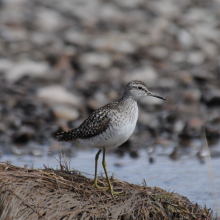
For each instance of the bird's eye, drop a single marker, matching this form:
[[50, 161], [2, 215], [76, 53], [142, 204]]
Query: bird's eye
[[140, 88]]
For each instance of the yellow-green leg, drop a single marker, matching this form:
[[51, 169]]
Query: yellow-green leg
[[106, 173], [96, 165]]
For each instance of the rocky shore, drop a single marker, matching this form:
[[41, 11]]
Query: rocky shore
[[61, 60]]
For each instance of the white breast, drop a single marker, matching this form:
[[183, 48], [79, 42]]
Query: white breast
[[119, 131]]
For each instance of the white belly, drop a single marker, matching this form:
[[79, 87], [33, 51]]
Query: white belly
[[114, 136], [124, 133]]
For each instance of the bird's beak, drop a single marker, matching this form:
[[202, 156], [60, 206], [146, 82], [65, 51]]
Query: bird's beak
[[156, 96]]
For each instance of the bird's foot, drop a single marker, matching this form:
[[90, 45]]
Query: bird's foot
[[99, 187], [117, 193]]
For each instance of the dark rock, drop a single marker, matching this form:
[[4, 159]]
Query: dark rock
[[134, 154]]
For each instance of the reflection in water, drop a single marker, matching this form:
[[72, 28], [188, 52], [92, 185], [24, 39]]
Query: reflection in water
[[185, 176]]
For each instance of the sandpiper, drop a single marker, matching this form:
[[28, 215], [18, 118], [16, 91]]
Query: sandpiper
[[111, 125]]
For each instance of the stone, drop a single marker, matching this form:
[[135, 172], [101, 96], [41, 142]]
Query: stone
[[13, 35], [96, 59], [195, 124], [209, 49], [185, 77], [98, 100], [91, 75], [195, 57], [175, 155], [19, 150], [35, 149], [65, 112], [167, 83], [146, 74], [27, 68], [110, 12], [124, 46], [145, 118], [5, 65], [134, 154], [158, 52], [185, 38], [165, 9], [178, 56], [75, 37], [48, 20], [56, 94], [39, 38], [178, 126], [212, 97], [192, 96], [202, 75], [195, 15], [130, 3]]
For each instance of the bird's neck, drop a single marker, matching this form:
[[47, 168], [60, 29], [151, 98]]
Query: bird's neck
[[127, 98]]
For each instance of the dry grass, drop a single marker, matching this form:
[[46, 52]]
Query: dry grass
[[60, 194]]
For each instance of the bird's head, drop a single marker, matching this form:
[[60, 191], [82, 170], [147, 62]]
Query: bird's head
[[138, 89]]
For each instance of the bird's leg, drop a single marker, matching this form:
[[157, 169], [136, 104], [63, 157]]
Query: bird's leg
[[96, 165], [106, 173]]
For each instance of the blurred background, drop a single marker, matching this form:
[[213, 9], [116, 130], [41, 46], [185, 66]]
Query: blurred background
[[61, 60]]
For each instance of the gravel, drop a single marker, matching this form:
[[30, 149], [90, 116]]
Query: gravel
[[60, 60]]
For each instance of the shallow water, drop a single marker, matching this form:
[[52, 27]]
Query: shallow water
[[187, 177]]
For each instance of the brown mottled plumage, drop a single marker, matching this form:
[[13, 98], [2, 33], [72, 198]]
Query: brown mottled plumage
[[95, 124], [111, 125]]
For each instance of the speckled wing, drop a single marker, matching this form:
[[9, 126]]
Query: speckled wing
[[95, 124]]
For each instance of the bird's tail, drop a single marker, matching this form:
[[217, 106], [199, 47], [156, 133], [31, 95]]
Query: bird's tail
[[64, 136]]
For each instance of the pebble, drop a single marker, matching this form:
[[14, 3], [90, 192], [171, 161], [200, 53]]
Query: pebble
[[195, 57], [13, 35], [209, 49], [19, 151], [195, 124], [145, 117], [185, 77], [175, 155], [167, 83], [192, 96], [96, 59], [65, 112], [130, 3], [185, 38], [178, 56], [35, 149], [26, 68], [48, 20], [178, 126], [158, 52], [98, 100], [75, 37], [165, 9], [146, 74], [212, 97], [5, 65], [56, 94], [125, 47]]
